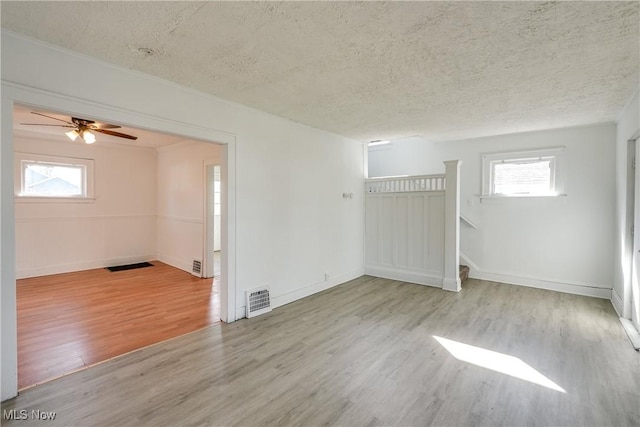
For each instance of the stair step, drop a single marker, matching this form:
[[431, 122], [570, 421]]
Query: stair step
[[464, 273]]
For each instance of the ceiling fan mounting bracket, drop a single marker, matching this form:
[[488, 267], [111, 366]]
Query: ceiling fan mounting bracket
[[82, 122]]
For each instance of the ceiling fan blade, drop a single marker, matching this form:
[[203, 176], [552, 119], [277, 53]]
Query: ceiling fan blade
[[42, 124], [113, 133], [103, 126], [54, 118]]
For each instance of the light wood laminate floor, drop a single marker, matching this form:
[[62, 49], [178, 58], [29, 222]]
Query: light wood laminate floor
[[365, 353], [70, 321]]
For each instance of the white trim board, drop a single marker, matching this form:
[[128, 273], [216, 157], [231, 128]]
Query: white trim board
[[617, 303], [176, 263], [632, 332], [84, 218], [306, 291], [405, 276], [548, 284], [81, 266]]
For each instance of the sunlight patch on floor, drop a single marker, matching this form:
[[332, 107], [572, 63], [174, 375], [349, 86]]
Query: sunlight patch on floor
[[498, 362]]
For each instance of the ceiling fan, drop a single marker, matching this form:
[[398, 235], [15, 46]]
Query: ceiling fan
[[84, 129]]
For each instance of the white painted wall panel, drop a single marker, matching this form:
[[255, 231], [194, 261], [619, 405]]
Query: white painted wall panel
[[179, 241], [401, 222], [405, 236], [371, 231], [386, 226], [435, 234], [58, 245], [418, 232]]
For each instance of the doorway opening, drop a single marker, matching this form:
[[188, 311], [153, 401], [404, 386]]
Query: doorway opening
[[145, 205], [630, 316], [213, 220]]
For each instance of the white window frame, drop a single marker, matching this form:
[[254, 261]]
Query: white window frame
[[554, 154], [22, 159]]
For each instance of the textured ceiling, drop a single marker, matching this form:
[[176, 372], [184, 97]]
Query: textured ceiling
[[371, 70]]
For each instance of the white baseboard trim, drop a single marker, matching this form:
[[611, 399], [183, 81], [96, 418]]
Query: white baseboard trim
[[451, 285], [617, 303], [81, 266], [314, 288], [548, 284], [241, 312], [632, 332], [404, 276], [175, 262], [303, 292]]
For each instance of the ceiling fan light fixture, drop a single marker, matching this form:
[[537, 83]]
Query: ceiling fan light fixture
[[88, 137], [83, 128], [73, 134]]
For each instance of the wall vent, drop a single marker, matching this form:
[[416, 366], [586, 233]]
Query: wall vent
[[258, 301], [196, 268]]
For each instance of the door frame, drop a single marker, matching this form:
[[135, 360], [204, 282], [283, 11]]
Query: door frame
[[209, 231], [13, 93], [631, 297]]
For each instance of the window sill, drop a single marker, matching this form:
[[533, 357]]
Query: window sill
[[524, 196], [31, 199]]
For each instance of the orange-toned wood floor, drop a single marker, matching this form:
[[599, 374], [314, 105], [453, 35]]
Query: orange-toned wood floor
[[70, 321]]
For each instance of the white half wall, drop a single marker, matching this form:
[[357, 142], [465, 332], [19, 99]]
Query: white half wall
[[117, 227], [563, 243], [289, 225], [181, 191], [405, 236]]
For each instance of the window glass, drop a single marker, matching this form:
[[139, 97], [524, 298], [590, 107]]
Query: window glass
[[525, 173], [46, 179], [532, 177], [38, 175]]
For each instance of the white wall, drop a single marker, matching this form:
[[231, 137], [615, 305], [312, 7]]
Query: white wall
[[181, 201], [563, 243], [628, 125], [117, 227], [288, 223], [293, 222]]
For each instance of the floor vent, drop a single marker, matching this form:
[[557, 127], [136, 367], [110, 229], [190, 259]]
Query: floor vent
[[196, 269], [258, 301]]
